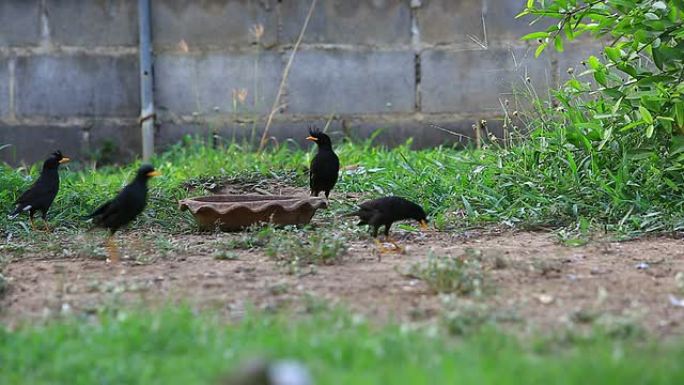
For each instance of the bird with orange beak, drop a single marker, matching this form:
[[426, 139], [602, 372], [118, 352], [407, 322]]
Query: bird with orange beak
[[121, 210], [387, 210], [325, 166], [42, 193]]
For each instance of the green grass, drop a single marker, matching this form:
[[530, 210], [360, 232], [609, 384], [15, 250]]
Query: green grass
[[182, 347], [542, 181]]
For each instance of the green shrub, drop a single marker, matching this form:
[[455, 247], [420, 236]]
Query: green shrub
[[638, 94]]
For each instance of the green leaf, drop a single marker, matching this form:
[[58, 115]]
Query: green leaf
[[607, 135], [658, 58], [659, 5], [631, 125], [642, 36], [530, 3], [558, 43], [539, 50], [574, 83], [679, 114], [613, 54], [616, 107], [677, 145], [628, 69], [523, 13], [604, 116], [649, 131], [640, 155], [594, 62], [600, 77], [535, 35], [569, 33], [646, 115]]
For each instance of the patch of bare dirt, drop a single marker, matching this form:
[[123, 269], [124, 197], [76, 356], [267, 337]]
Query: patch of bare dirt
[[249, 184], [543, 284]]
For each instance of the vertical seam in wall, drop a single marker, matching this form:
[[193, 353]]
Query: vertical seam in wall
[[416, 61], [11, 67], [280, 26], [415, 44], [44, 25]]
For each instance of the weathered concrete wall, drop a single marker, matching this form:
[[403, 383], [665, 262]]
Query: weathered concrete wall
[[68, 77], [69, 69]]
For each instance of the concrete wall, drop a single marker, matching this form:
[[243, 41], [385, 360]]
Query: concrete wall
[[69, 69]]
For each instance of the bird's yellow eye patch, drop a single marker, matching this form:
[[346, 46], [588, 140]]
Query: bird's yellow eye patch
[[64, 160], [423, 224], [153, 173], [311, 138]]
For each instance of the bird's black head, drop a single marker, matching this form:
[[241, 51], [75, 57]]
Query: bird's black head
[[321, 139], [418, 214], [146, 172], [55, 159]]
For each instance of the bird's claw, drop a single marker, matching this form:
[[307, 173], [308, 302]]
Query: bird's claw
[[384, 249], [113, 251]]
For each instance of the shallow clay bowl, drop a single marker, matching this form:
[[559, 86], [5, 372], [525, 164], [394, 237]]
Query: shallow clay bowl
[[237, 212]]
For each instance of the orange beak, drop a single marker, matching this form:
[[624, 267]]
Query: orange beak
[[153, 173], [64, 160], [311, 138]]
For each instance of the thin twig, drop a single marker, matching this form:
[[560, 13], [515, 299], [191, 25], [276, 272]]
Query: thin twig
[[327, 123], [286, 72], [460, 136]]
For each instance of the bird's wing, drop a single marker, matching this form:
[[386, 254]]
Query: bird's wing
[[366, 214], [312, 170], [376, 218], [369, 205], [114, 205], [29, 194], [100, 210]]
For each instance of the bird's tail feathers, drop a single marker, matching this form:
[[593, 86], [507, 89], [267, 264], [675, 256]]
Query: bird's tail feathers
[[18, 210], [352, 214]]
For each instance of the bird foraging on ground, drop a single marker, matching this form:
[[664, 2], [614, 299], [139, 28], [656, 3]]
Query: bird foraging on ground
[[42, 193], [387, 210], [325, 166], [121, 210]]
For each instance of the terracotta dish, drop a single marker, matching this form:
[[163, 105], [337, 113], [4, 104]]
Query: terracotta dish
[[236, 212]]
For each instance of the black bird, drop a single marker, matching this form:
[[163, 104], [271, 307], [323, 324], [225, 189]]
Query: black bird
[[324, 166], [40, 196], [387, 210], [119, 211]]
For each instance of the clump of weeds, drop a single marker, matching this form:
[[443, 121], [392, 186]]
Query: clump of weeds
[[464, 275], [294, 250]]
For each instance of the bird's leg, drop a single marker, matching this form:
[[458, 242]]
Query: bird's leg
[[390, 240], [381, 248], [45, 222], [112, 250], [397, 248], [374, 234], [33, 225]]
